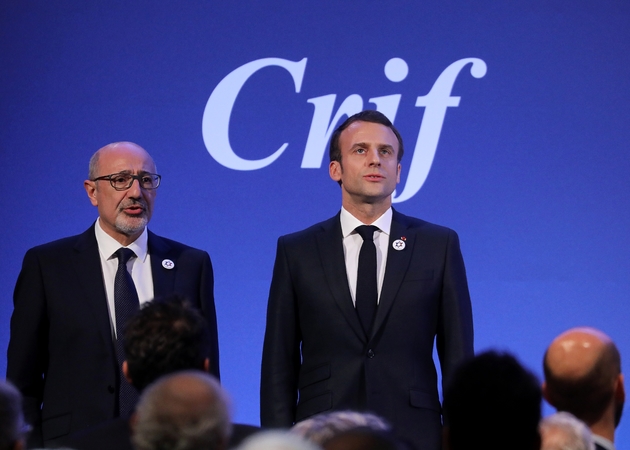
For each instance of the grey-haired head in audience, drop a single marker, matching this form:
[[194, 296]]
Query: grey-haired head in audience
[[564, 431], [186, 410], [322, 427]]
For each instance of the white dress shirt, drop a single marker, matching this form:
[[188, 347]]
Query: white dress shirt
[[139, 268], [352, 242]]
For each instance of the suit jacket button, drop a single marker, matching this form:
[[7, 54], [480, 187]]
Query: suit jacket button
[[370, 353], [110, 389]]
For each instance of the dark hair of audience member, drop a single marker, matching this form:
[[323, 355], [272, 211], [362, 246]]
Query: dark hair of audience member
[[12, 423], [492, 402], [165, 336]]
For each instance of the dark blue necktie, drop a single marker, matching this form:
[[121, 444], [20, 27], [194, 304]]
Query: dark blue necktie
[[367, 287], [126, 304]]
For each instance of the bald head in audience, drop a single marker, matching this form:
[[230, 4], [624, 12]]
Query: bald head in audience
[[184, 411], [583, 376]]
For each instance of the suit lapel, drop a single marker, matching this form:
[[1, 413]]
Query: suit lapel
[[330, 246], [163, 279], [395, 269], [87, 264]]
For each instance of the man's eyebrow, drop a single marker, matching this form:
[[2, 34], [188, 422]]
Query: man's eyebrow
[[379, 146]]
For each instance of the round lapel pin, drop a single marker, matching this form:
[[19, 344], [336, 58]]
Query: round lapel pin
[[398, 244], [168, 264]]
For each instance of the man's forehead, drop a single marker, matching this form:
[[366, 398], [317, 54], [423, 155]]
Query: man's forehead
[[125, 156], [361, 132]]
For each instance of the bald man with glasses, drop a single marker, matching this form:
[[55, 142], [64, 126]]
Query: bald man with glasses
[[74, 296]]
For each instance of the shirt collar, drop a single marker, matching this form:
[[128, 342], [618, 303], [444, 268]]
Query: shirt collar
[[349, 222], [107, 245], [601, 440]]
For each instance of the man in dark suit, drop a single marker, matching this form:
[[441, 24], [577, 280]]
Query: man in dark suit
[[348, 329], [583, 377], [73, 297]]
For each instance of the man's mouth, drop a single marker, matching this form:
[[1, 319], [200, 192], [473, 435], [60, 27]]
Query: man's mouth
[[135, 209], [374, 177]]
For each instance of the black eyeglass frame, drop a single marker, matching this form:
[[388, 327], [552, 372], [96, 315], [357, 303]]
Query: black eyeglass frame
[[157, 178]]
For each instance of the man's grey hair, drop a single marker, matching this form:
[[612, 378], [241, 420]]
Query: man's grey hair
[[93, 166], [186, 410], [276, 440], [12, 424], [563, 431], [323, 427]]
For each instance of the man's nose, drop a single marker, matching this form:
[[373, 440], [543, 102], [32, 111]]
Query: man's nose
[[374, 157], [134, 190]]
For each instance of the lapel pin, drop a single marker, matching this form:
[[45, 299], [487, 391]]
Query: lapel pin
[[168, 264], [399, 244]]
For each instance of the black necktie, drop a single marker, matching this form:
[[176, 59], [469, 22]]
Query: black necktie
[[126, 305], [367, 287]]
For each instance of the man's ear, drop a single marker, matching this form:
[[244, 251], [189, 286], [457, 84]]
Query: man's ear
[[90, 189], [545, 392], [125, 371], [620, 390], [206, 365], [334, 170]]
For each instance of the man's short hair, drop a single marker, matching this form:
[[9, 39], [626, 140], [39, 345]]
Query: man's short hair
[[322, 427], [588, 397], [167, 334], [334, 151], [12, 424], [492, 402], [186, 410], [562, 430]]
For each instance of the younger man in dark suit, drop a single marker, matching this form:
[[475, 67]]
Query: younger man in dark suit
[[351, 324], [74, 296]]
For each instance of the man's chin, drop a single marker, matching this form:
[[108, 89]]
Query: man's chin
[[130, 226]]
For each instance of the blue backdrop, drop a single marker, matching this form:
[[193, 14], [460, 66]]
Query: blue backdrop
[[515, 118]]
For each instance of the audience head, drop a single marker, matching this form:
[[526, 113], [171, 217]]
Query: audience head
[[563, 431], [364, 439], [322, 427], [12, 426], [491, 402], [183, 411], [277, 440], [166, 335], [583, 376]]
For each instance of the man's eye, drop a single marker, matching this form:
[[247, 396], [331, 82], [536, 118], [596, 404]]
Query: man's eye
[[147, 179], [120, 179], [360, 150]]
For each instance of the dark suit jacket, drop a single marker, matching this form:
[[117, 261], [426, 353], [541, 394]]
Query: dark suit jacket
[[316, 356], [61, 355]]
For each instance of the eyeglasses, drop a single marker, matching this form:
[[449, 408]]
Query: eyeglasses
[[123, 180]]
